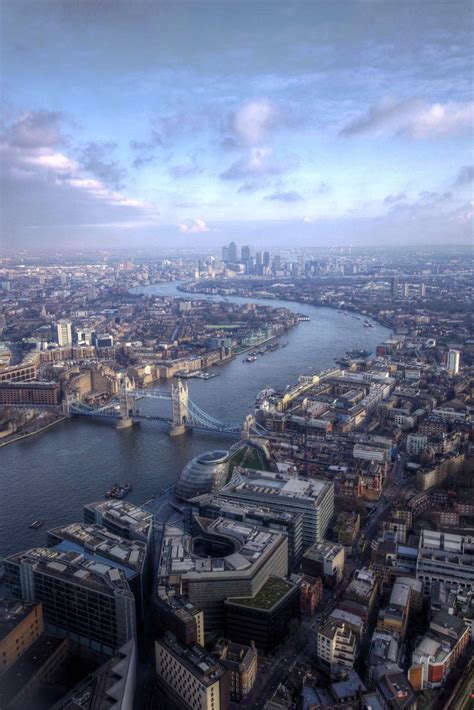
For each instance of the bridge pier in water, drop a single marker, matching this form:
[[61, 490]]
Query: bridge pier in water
[[179, 408], [125, 419]]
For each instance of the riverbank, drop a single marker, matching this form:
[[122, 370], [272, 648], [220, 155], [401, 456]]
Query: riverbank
[[348, 307], [20, 437]]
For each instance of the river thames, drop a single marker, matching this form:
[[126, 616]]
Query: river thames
[[52, 475]]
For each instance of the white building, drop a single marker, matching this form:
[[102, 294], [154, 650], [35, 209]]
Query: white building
[[444, 557], [453, 361], [336, 645], [64, 332]]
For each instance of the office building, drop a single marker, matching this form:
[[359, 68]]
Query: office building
[[290, 523], [222, 558], [205, 473], [64, 333], [233, 253], [241, 661], [405, 595], [278, 491], [264, 618], [98, 544], [438, 650], [245, 255], [178, 615], [189, 677], [21, 623], [444, 557], [89, 602], [123, 519], [453, 361], [326, 560]]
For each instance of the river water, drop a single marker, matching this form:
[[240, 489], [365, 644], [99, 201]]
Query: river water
[[52, 475]]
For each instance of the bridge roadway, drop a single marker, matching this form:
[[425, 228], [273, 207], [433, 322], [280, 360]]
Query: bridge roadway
[[185, 413]]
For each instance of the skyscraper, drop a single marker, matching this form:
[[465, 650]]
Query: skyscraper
[[245, 254], [64, 332], [233, 253], [453, 361]]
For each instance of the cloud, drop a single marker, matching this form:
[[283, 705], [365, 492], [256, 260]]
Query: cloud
[[465, 176], [193, 226], [96, 159], [43, 188], [185, 170], [290, 196], [36, 129], [395, 197], [258, 162], [413, 118], [253, 121]]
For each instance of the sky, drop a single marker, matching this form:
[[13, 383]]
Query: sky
[[187, 124]]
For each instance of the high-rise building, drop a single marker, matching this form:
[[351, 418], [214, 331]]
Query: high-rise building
[[258, 258], [189, 677], [88, 601], [394, 281], [64, 332], [245, 255], [266, 258], [453, 361], [233, 253], [225, 254]]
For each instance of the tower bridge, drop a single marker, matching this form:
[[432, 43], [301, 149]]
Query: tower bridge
[[185, 414]]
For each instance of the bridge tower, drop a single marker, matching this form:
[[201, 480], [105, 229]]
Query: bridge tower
[[179, 408], [248, 425], [126, 405]]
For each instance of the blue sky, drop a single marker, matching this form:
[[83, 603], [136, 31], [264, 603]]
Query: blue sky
[[188, 123]]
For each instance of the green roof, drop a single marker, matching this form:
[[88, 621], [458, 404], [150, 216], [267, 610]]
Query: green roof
[[272, 591]]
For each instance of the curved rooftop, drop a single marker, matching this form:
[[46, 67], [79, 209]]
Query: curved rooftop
[[205, 473]]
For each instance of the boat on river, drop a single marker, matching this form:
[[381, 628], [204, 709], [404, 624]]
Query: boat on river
[[36, 524], [119, 491]]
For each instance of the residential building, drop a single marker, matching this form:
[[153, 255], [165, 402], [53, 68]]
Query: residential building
[[336, 646], [64, 333]]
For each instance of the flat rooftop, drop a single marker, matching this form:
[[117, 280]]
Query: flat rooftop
[[201, 663], [267, 483], [123, 513], [96, 542], [274, 589], [75, 568]]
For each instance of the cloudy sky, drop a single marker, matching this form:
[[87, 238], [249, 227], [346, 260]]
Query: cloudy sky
[[275, 123]]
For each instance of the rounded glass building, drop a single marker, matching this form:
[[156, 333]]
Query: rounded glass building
[[204, 474]]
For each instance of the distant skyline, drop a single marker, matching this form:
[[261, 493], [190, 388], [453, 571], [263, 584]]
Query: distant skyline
[[190, 124]]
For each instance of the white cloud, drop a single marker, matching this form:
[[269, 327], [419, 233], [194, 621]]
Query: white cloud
[[413, 118], [193, 226], [254, 120]]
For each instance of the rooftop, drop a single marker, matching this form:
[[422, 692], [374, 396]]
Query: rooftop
[[123, 513], [194, 657], [274, 589], [75, 568]]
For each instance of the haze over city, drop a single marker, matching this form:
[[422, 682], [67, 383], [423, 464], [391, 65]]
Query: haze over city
[[190, 124]]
